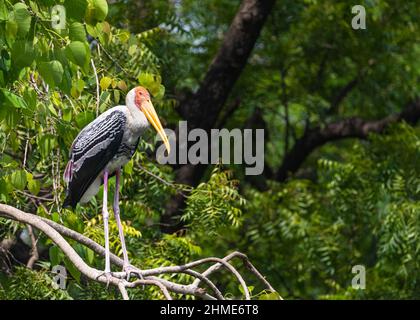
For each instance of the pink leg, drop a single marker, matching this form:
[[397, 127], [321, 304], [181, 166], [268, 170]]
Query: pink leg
[[105, 214], [117, 217]]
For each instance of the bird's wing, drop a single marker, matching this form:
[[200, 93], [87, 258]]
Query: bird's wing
[[92, 149]]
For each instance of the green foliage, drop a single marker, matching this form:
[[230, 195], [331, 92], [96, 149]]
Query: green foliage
[[358, 205], [94, 229], [364, 210], [214, 204], [32, 285]]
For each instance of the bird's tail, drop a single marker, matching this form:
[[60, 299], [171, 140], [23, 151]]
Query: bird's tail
[[68, 175]]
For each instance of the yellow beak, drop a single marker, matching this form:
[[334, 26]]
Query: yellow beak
[[151, 115]]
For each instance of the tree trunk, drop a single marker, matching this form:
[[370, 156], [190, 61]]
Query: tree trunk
[[203, 108]]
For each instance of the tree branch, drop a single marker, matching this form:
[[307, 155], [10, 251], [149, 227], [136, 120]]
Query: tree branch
[[56, 232], [34, 251], [202, 109], [347, 128], [342, 94]]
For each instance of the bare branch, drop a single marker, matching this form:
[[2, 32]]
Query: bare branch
[[342, 129], [123, 291], [342, 94], [34, 251], [97, 86], [35, 197], [56, 232], [151, 282]]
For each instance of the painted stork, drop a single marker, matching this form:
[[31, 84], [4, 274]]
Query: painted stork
[[101, 149]]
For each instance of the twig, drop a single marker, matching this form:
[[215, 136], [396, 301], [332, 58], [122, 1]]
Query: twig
[[123, 290], [151, 282], [169, 184], [247, 263], [34, 251], [26, 150], [115, 61], [97, 86], [34, 197], [178, 187], [32, 81]]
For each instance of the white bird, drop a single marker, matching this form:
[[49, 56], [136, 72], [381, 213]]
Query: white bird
[[101, 149]]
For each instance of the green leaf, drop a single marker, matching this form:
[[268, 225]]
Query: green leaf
[[65, 84], [46, 144], [11, 29], [122, 85], [76, 9], [100, 9], [5, 187], [55, 217], [34, 7], [83, 118], [10, 115], [89, 255], [270, 296], [33, 185], [22, 18], [3, 11], [23, 54], [78, 53], [152, 83], [128, 168], [77, 32], [74, 92], [52, 72], [80, 85], [132, 49], [72, 269], [67, 114], [13, 99], [117, 96], [55, 255], [160, 93], [105, 83], [5, 60], [104, 99], [30, 98], [146, 79], [18, 179]]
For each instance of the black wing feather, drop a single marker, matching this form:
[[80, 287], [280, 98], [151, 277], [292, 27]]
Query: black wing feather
[[91, 151]]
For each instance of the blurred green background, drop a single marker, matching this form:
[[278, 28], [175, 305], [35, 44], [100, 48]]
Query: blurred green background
[[339, 107]]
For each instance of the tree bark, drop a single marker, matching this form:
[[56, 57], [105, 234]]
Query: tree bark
[[56, 232], [347, 128], [203, 108]]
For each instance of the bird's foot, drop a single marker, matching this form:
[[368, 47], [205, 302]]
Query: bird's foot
[[107, 275], [129, 269]]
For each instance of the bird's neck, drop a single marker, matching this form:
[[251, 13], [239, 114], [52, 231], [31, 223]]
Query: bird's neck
[[137, 121]]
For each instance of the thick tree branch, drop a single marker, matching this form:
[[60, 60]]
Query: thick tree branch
[[202, 109], [348, 87], [56, 232], [347, 128]]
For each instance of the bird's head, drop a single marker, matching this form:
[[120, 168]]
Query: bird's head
[[140, 97]]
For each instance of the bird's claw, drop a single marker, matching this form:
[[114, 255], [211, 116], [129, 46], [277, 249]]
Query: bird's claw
[[129, 269], [107, 275]]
